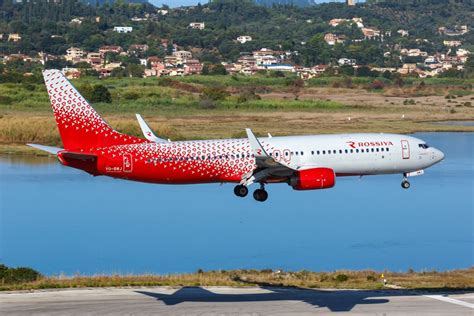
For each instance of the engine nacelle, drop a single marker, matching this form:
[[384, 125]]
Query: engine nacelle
[[313, 179]]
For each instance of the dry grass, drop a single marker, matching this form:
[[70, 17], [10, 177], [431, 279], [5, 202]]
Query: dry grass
[[17, 129], [455, 279], [173, 111]]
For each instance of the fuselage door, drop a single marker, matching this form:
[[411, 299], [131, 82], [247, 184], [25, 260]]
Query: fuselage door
[[405, 149], [127, 163]]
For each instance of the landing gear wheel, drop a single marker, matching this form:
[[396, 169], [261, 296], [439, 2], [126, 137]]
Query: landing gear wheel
[[260, 195], [241, 190], [405, 184]]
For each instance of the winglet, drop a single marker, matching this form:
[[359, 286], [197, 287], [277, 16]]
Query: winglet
[[257, 148], [148, 133], [49, 149]]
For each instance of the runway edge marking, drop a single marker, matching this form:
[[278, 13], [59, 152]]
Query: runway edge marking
[[451, 300]]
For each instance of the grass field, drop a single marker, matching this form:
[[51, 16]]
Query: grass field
[[456, 279], [176, 109]]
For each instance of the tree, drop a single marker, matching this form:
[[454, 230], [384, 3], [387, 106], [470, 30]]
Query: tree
[[317, 50], [100, 93], [469, 67], [218, 69]]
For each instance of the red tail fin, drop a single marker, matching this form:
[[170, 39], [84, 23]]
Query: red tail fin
[[80, 126]]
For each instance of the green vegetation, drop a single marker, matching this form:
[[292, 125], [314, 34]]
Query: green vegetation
[[45, 26], [20, 275], [178, 108], [455, 279], [166, 95]]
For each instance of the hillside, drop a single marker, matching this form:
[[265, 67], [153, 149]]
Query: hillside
[[48, 28]]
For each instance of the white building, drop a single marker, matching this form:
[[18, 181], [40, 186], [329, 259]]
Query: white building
[[281, 67], [244, 39], [452, 43], [197, 25], [76, 21], [182, 55], [462, 52], [123, 29], [403, 33], [74, 53], [346, 62]]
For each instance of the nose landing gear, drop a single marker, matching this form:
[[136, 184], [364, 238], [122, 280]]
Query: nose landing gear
[[405, 183]]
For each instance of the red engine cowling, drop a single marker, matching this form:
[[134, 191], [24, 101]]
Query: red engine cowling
[[314, 179]]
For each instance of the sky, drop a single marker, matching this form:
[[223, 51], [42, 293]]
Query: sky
[[177, 3]]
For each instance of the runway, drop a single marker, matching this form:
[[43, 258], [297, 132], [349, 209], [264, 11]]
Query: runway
[[233, 301]]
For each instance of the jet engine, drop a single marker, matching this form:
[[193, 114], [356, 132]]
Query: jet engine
[[313, 179]]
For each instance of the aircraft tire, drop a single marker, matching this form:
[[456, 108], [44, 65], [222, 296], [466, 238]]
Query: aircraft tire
[[405, 184], [260, 195], [241, 190]]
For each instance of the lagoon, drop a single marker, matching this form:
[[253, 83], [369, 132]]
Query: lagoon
[[61, 220]]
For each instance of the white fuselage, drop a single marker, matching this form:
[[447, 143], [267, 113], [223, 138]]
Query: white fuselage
[[355, 154]]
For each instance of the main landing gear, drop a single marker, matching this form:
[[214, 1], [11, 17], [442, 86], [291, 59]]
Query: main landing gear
[[241, 190], [259, 195], [405, 183]]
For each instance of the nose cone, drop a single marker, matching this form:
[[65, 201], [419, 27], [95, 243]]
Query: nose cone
[[439, 155]]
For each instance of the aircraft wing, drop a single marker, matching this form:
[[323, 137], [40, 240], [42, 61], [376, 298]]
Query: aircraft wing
[[267, 167], [147, 132]]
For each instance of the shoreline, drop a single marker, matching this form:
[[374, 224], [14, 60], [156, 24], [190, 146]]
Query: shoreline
[[18, 149], [451, 280]]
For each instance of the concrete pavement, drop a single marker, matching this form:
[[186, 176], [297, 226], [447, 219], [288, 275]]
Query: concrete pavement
[[232, 301]]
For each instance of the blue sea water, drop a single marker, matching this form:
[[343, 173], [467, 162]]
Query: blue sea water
[[61, 220]]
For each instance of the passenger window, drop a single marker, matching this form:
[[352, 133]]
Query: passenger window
[[362, 150], [381, 149], [377, 150], [312, 152], [386, 149], [347, 151], [352, 150], [318, 152], [340, 151], [324, 152], [373, 150], [357, 150], [334, 151], [296, 153], [286, 153], [302, 153]]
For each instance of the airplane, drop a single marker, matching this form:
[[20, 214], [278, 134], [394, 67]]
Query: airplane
[[310, 162]]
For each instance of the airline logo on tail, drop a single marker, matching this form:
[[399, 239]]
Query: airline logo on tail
[[80, 126]]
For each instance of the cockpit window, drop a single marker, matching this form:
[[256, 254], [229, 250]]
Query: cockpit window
[[424, 146]]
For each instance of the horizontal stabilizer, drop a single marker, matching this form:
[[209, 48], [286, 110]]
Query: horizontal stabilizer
[[49, 149], [147, 132]]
